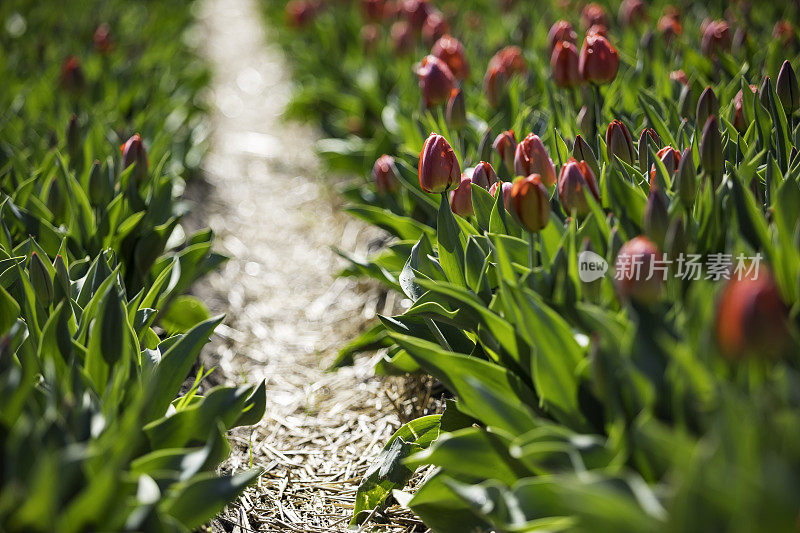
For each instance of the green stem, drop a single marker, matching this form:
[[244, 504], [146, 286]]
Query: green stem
[[531, 252], [598, 110]]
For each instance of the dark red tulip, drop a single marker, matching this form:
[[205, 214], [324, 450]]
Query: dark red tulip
[[483, 175], [451, 51], [530, 203], [598, 29], [647, 133], [299, 13], [738, 110], [494, 85], [574, 181], [416, 12], [711, 154], [103, 42], [384, 174], [372, 9], [633, 266], [561, 31], [531, 157], [671, 159], [461, 198], [506, 187], [787, 88], [402, 37], [632, 12], [599, 60], [751, 317], [506, 145], [438, 166], [564, 62], [133, 152], [593, 14], [435, 26], [435, 80], [619, 142], [510, 59], [716, 38], [72, 77]]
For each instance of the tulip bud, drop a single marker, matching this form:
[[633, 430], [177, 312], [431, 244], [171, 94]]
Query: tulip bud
[[494, 85], [456, 113], [671, 159], [751, 317], [74, 145], [402, 37], [505, 145], [738, 110], [506, 187], [416, 12], [299, 13], [763, 93], [435, 27], [643, 146], [559, 32], [530, 203], [786, 87], [574, 181], [435, 80], [461, 198], [686, 179], [451, 51], [634, 265], [716, 38], [707, 105], [510, 59], [502, 66], [103, 42], [133, 152], [619, 142], [670, 27], [679, 76], [384, 174], [593, 14], [711, 151], [599, 60], [564, 62], [632, 12], [531, 157], [656, 216], [598, 29], [583, 152], [438, 166], [483, 175], [72, 78], [41, 281]]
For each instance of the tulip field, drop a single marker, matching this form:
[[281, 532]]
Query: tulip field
[[591, 214]]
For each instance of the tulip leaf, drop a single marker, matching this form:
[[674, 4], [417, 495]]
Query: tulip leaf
[[450, 247]]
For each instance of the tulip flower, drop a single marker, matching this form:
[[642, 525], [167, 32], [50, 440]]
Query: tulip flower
[[435, 27], [402, 37], [461, 198], [561, 31], [716, 38], [134, 153], [593, 14], [299, 13], [438, 166], [574, 181], [506, 187], [502, 66], [784, 33], [384, 174], [435, 80], [670, 26], [619, 142], [634, 264], [494, 85], [456, 112], [738, 110], [686, 179], [671, 159], [599, 60], [372, 9], [581, 151], [506, 145], [531, 157], [751, 319], [510, 59], [647, 133], [530, 203], [483, 175], [103, 42], [598, 29], [680, 77], [416, 12], [632, 12], [564, 62], [707, 105], [786, 87], [451, 51], [711, 151], [72, 77]]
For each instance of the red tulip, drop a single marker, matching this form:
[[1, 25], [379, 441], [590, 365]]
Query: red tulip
[[72, 74], [435, 80], [483, 175], [593, 14], [461, 198], [671, 159], [531, 157], [384, 174], [598, 29], [494, 85], [438, 166], [299, 13], [506, 187], [564, 62], [373, 9], [561, 31], [738, 110], [619, 142], [574, 180], [435, 26], [632, 12], [133, 152], [751, 317], [451, 51], [670, 26], [635, 263], [416, 12], [506, 145], [643, 146], [502, 66], [716, 38], [530, 203], [511, 60], [599, 60], [680, 77], [103, 42], [402, 37]]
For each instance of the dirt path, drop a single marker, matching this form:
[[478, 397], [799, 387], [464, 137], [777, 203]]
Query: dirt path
[[286, 313]]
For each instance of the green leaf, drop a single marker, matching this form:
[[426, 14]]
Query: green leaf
[[450, 247], [184, 313]]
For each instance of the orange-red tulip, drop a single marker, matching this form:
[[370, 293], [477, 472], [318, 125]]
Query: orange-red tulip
[[574, 180], [435, 80], [564, 62], [438, 166], [531, 157], [599, 60], [530, 202]]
